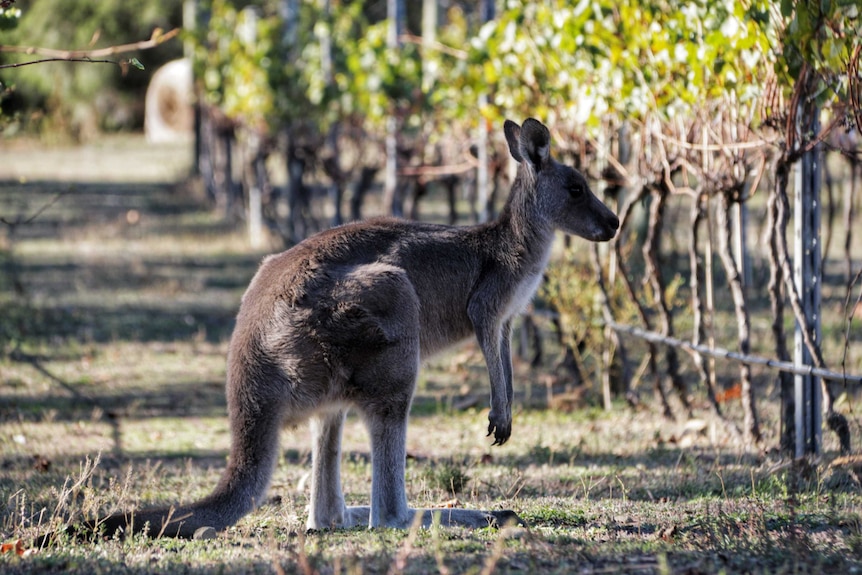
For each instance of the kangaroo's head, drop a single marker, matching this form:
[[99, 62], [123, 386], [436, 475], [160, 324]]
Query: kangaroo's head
[[561, 191]]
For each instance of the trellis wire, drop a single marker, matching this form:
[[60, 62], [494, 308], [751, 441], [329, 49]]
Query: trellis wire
[[721, 353]]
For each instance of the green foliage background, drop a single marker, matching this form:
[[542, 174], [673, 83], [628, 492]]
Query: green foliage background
[[572, 63]]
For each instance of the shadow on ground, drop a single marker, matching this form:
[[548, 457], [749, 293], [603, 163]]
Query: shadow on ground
[[116, 262]]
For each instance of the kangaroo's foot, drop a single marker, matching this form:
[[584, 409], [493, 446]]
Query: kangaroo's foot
[[469, 518]]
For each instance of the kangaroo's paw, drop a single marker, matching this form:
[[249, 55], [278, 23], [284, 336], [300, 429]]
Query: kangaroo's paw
[[350, 517], [360, 516], [468, 518], [471, 518], [347, 518], [506, 518], [500, 425]]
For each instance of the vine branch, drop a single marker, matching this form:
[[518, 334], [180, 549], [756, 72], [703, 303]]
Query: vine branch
[[92, 56]]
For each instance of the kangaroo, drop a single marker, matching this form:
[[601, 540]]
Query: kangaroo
[[344, 320]]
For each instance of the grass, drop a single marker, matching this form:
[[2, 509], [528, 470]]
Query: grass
[[111, 385]]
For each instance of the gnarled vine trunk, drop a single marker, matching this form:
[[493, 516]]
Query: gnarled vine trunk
[[653, 276], [751, 426]]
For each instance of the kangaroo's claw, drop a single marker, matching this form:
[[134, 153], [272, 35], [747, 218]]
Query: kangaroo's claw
[[501, 432]]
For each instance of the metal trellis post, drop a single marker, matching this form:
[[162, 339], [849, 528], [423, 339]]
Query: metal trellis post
[[486, 13], [396, 13], [807, 275]]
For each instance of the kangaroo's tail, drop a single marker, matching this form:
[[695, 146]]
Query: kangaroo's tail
[[255, 427]]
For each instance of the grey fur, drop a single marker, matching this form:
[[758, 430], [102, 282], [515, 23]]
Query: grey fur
[[344, 320]]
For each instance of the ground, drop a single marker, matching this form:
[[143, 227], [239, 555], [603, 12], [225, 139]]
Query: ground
[[117, 304]]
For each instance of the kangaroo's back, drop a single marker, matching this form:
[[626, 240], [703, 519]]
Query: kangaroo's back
[[442, 263]]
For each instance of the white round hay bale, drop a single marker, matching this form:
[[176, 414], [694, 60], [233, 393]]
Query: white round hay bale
[[169, 115]]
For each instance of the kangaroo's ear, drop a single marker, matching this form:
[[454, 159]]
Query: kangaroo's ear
[[513, 138], [535, 142]]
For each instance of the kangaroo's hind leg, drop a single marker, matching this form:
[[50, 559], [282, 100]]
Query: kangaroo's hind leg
[[326, 508], [385, 316], [386, 407]]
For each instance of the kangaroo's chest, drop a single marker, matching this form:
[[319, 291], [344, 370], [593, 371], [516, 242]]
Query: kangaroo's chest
[[525, 287], [523, 294]]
